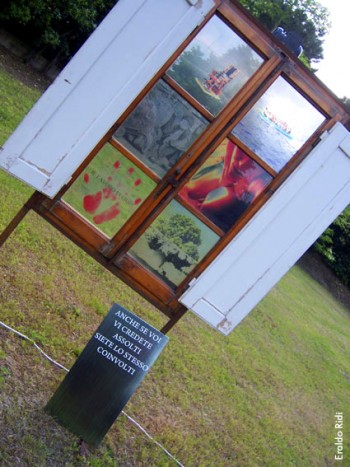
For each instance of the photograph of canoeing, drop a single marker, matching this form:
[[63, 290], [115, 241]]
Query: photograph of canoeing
[[278, 124]]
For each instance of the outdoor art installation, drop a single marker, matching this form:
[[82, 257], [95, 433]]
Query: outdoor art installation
[[198, 139]]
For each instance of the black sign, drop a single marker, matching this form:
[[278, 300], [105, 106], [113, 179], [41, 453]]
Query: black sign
[[106, 374]]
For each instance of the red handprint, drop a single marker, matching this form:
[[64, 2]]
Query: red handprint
[[100, 200]]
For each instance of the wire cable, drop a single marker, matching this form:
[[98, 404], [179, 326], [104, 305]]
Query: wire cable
[[132, 420]]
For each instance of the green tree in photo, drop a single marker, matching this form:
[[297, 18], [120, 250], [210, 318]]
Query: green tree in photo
[[181, 230], [176, 239]]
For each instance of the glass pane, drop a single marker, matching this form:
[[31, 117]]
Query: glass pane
[[109, 190], [215, 65], [226, 184], [279, 124], [173, 245], [161, 128]]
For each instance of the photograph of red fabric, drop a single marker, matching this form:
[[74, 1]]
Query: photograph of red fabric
[[224, 187]]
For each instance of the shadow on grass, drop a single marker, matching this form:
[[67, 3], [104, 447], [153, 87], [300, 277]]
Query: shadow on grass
[[312, 263]]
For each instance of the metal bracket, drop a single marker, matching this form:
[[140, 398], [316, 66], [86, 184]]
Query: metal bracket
[[192, 281], [345, 146]]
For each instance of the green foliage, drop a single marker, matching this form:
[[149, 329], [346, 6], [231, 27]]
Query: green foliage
[[62, 25], [306, 17], [180, 230], [324, 245], [334, 246], [341, 246], [176, 239]]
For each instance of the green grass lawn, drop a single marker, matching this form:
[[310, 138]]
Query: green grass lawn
[[265, 395]]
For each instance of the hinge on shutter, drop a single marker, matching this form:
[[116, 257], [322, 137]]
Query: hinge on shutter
[[192, 281], [345, 146]]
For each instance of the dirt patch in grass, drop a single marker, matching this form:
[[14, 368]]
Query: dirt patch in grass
[[21, 71], [313, 264]]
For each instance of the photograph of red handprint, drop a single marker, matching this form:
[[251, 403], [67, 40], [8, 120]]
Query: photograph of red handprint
[[109, 190]]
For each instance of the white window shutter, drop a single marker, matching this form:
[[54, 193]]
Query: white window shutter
[[133, 42], [276, 237]]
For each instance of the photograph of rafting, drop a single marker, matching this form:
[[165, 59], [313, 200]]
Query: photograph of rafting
[[278, 124], [215, 65]]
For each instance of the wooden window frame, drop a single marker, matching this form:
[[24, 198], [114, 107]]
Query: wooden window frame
[[278, 62]]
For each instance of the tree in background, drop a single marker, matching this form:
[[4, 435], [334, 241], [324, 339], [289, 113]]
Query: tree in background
[[308, 18], [59, 27], [55, 28], [334, 246]]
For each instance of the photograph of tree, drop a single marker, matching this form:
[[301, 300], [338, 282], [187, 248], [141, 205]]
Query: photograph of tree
[[225, 186], [173, 245], [278, 124], [109, 190], [215, 65], [161, 128]]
